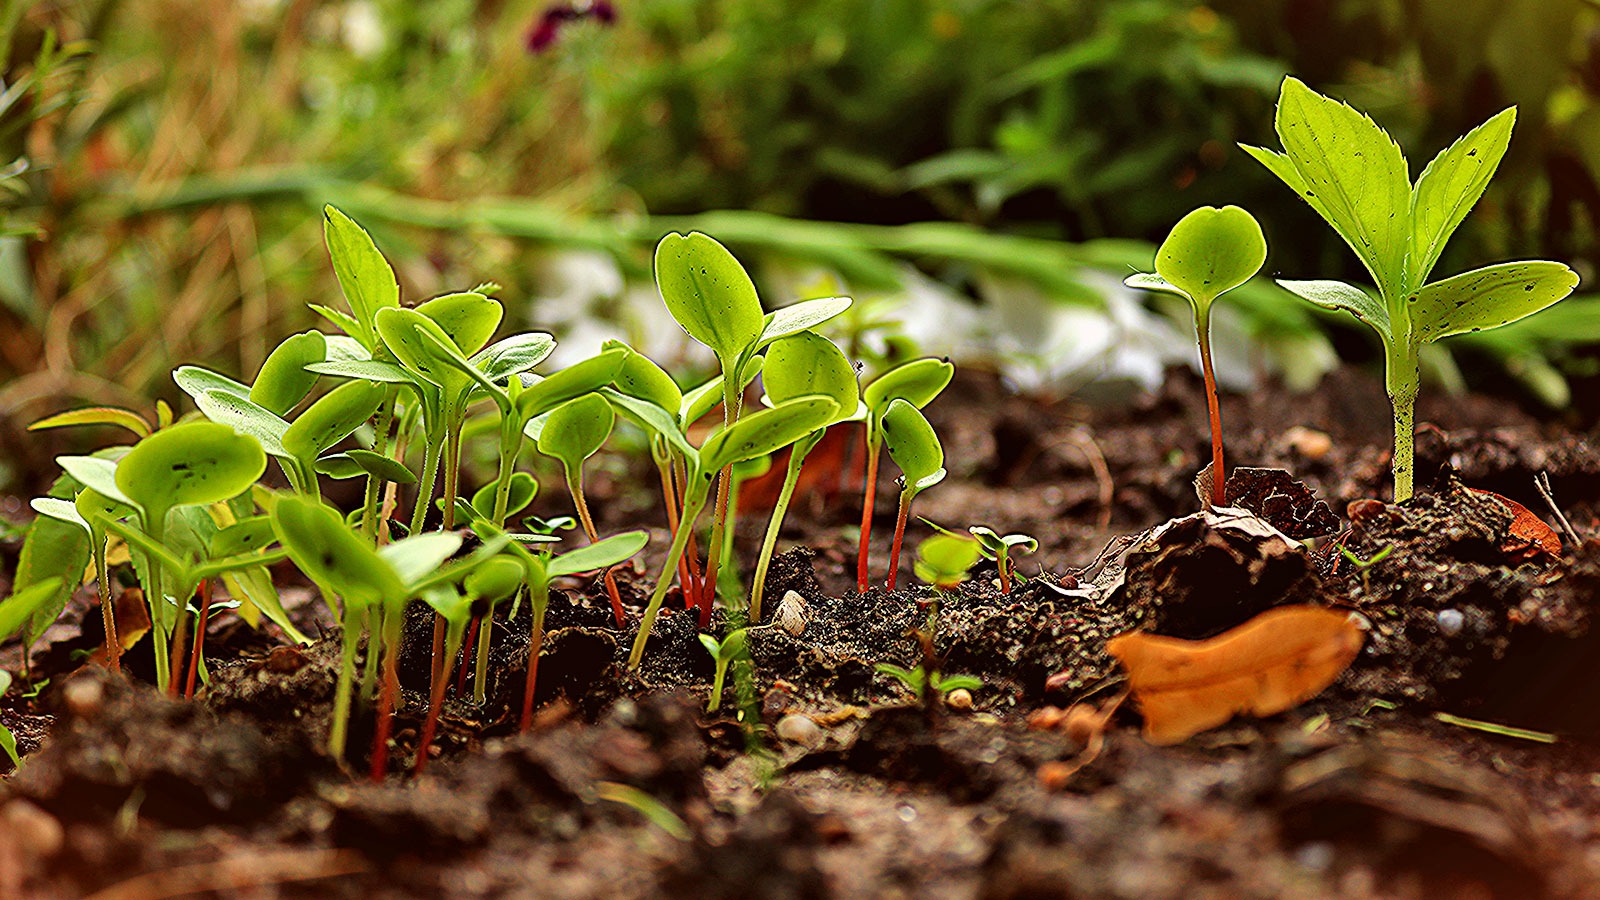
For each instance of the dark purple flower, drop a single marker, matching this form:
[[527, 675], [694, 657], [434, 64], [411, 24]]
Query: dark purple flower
[[544, 32]]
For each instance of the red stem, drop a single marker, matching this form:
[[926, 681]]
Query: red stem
[[435, 706], [899, 535], [670, 497], [1219, 475], [466, 654], [867, 499], [108, 616], [1005, 575], [535, 646], [199, 638], [386, 701]]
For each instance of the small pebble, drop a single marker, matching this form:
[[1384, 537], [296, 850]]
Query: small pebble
[[799, 729], [1451, 621], [793, 614], [960, 698], [84, 697], [1308, 442]]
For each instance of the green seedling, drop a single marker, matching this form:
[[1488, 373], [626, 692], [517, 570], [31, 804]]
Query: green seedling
[[1356, 178], [571, 433], [917, 382], [1208, 253], [915, 448], [916, 680], [754, 435], [496, 580], [455, 609], [1364, 566], [8, 741], [796, 366], [191, 464], [85, 512], [722, 653], [712, 297], [375, 585], [944, 561], [22, 608], [998, 547]]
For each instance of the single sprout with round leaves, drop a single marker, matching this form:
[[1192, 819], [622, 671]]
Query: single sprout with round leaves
[[1209, 252], [915, 448], [723, 653], [917, 382]]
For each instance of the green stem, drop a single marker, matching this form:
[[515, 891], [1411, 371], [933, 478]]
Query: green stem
[[480, 673], [430, 474], [380, 445], [369, 668], [452, 645], [155, 527], [732, 400], [720, 678], [510, 446], [108, 613], [769, 543], [693, 503], [339, 731], [452, 470], [1401, 380]]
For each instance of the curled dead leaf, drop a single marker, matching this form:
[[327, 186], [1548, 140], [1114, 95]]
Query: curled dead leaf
[[1530, 537], [1271, 663]]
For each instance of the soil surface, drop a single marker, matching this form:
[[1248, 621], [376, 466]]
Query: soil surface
[[821, 776]]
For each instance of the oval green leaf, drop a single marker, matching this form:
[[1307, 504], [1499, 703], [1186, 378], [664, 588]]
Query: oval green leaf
[[808, 363], [916, 382], [189, 464], [325, 548], [598, 555], [469, 318], [912, 443], [1212, 251], [766, 431], [283, 380], [583, 377], [709, 293], [577, 429], [641, 377], [332, 418]]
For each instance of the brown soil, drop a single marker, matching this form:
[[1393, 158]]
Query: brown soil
[[1361, 792]]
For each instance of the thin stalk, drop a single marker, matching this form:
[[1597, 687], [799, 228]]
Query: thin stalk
[[867, 501], [1003, 563], [539, 596], [695, 502], [155, 526], [196, 657], [769, 542], [432, 449], [1400, 377], [436, 704], [510, 446], [466, 651], [369, 667], [380, 445], [581, 502], [732, 401], [906, 496], [108, 612], [452, 470], [393, 620], [691, 556], [480, 673], [339, 730], [1219, 474], [669, 497]]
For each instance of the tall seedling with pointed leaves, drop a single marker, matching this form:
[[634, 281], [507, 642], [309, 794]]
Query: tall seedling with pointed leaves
[[1353, 174], [1208, 253], [713, 299]]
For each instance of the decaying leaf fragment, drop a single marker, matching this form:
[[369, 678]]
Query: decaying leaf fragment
[[1271, 663], [1529, 537]]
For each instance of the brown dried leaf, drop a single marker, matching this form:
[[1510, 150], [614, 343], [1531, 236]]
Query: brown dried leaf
[[1530, 535], [1271, 663]]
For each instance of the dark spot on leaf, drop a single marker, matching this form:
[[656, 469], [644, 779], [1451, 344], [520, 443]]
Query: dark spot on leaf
[[1528, 287]]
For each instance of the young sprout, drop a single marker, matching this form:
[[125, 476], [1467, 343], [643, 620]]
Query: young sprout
[[492, 582], [754, 435], [915, 449], [722, 653], [192, 464], [24, 607], [917, 382], [998, 547], [796, 366], [916, 680], [1208, 253], [1364, 566], [456, 610], [1356, 178], [945, 560], [85, 512], [714, 301], [573, 432], [8, 741]]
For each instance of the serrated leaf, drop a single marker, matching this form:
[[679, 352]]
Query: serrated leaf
[[1488, 298], [1354, 176], [1450, 186], [1337, 295]]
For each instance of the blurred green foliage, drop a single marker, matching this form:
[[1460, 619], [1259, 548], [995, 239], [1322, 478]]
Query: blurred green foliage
[[160, 155]]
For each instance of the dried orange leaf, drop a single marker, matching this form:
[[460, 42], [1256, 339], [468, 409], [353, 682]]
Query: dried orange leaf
[[1271, 663], [1529, 533]]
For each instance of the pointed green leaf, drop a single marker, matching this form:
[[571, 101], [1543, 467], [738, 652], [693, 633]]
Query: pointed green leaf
[[1488, 298], [419, 555], [1337, 295], [917, 382], [60, 510], [188, 464], [766, 431], [1212, 251], [516, 354], [195, 380], [709, 294], [245, 416], [912, 443], [365, 276], [99, 475], [401, 331], [1353, 174], [577, 429], [21, 607], [1450, 186], [332, 418], [382, 466], [599, 555], [365, 369], [340, 320], [1145, 281], [283, 380], [799, 317], [96, 415], [651, 418], [808, 363], [255, 585]]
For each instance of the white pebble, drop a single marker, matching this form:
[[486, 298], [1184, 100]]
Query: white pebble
[[799, 729], [1451, 621]]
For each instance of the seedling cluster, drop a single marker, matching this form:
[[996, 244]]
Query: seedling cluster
[[394, 392]]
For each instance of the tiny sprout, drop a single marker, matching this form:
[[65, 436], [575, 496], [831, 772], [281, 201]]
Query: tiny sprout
[[998, 547], [1353, 174], [915, 448], [917, 382], [1364, 566], [8, 741], [944, 560], [1208, 253], [916, 679], [722, 653]]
